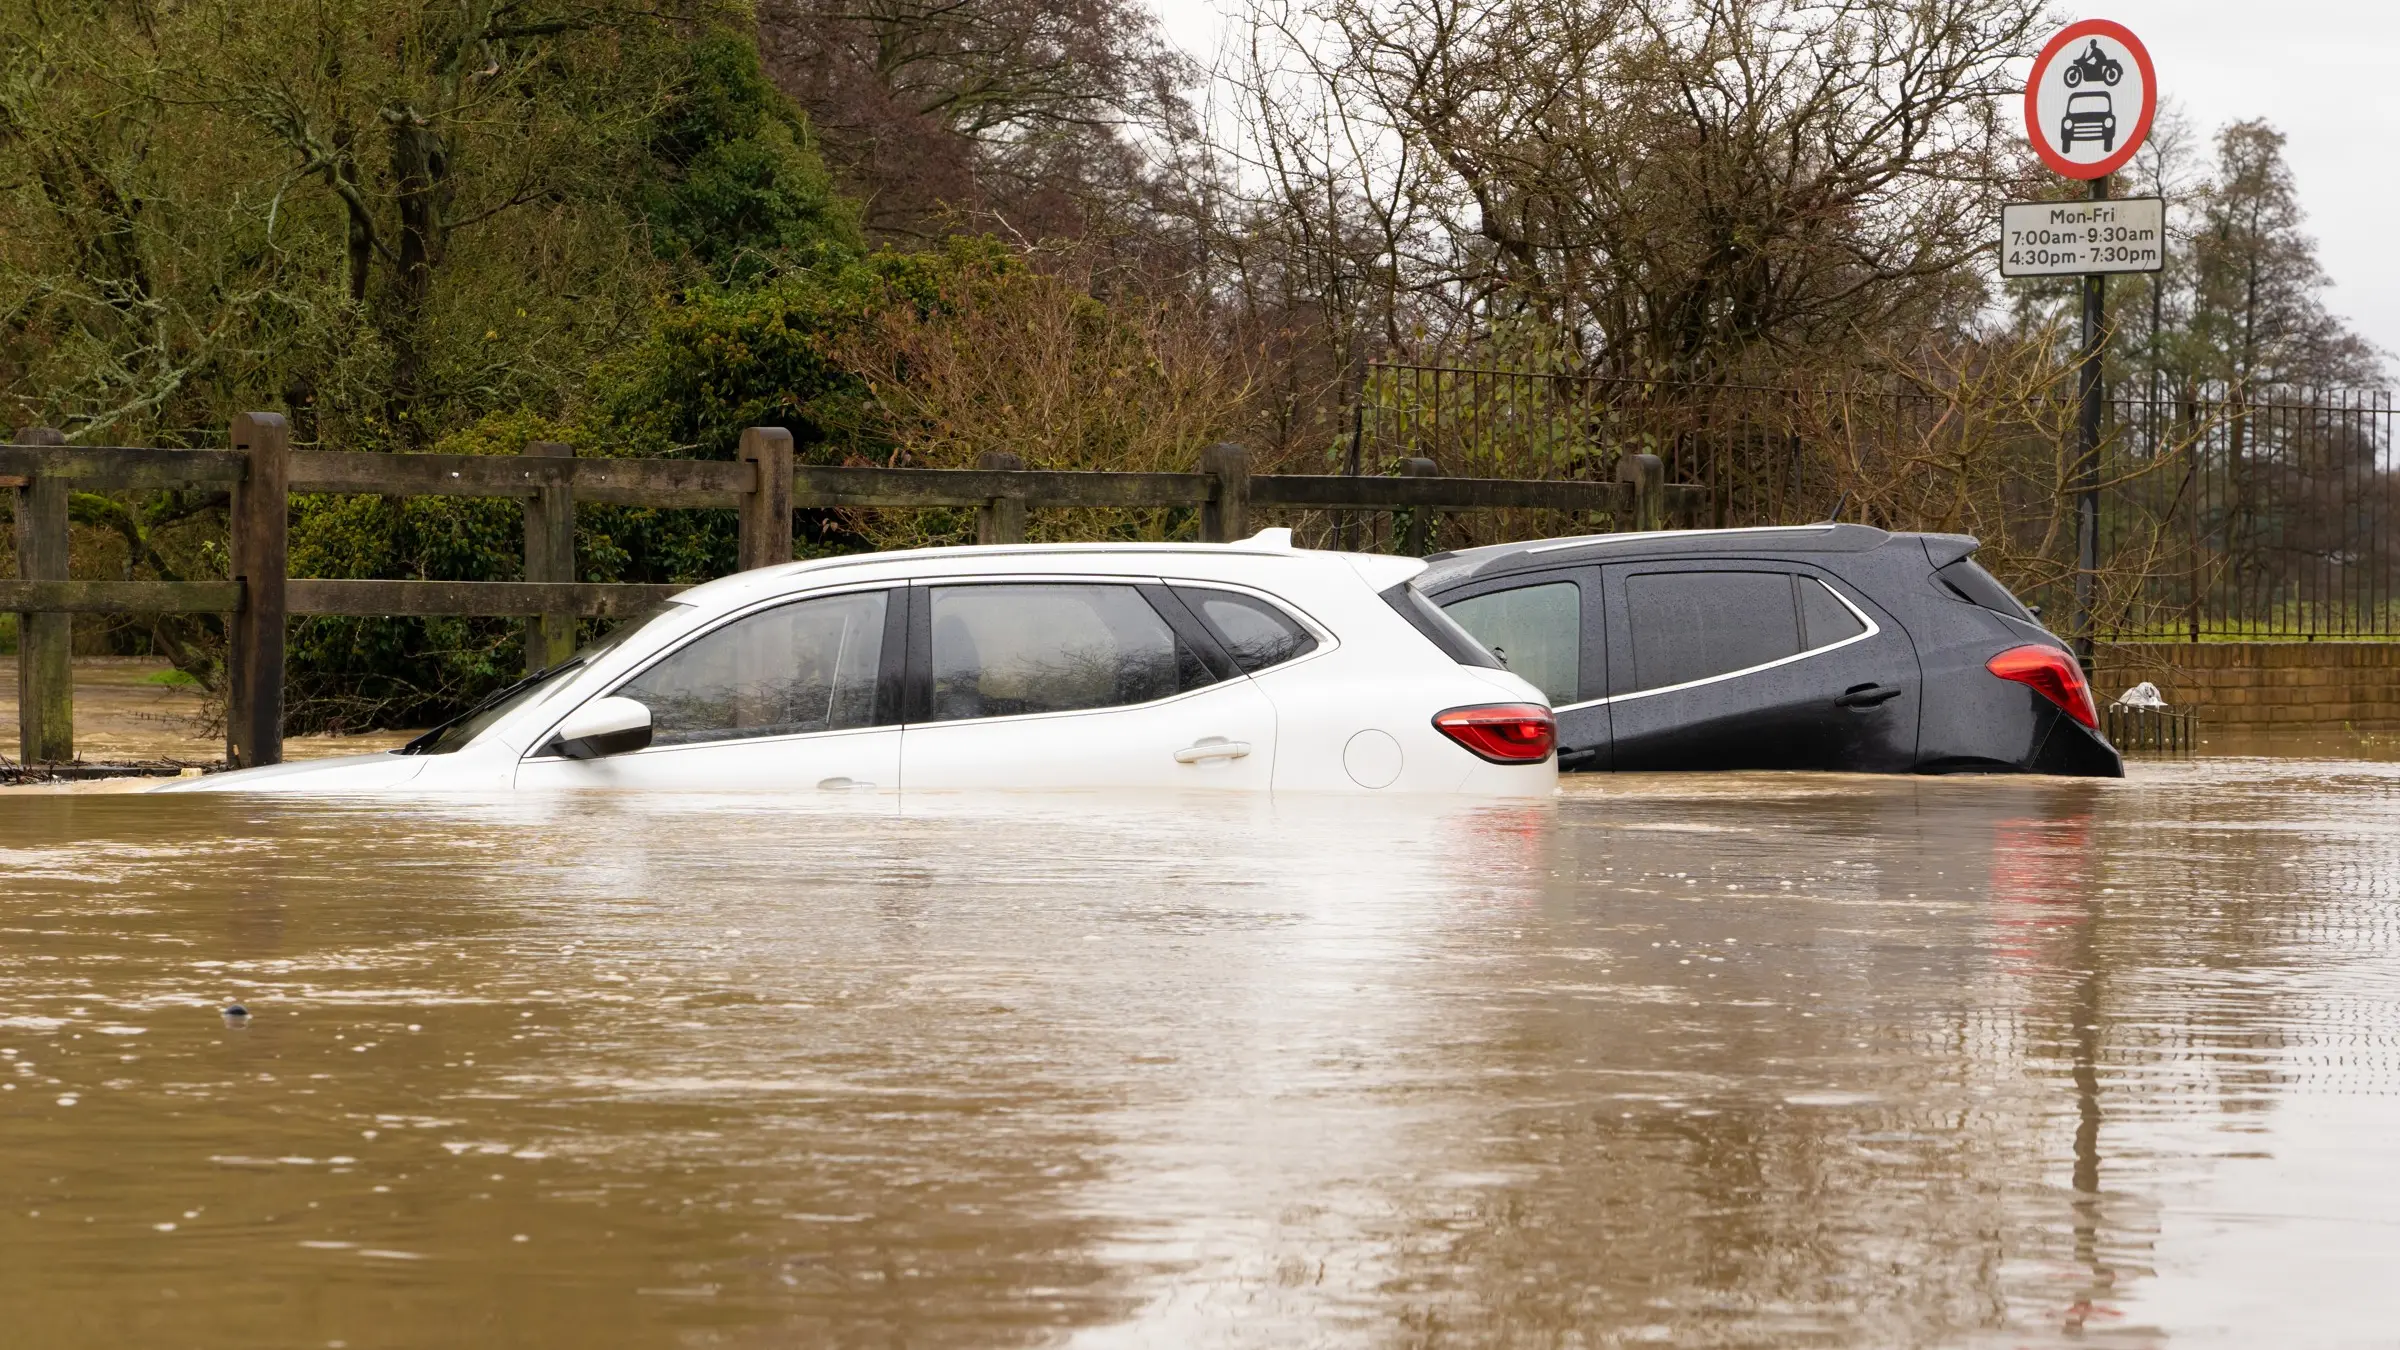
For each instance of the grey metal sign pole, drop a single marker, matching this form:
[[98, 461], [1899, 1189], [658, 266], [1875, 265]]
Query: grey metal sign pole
[[2089, 102], [2087, 449]]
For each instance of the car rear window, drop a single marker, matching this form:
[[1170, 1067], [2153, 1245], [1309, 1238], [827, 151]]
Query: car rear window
[[1967, 580]]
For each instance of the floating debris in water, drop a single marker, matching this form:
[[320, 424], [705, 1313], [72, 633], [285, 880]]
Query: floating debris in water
[[236, 1015]]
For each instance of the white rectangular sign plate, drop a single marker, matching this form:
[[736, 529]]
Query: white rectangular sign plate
[[2069, 239]]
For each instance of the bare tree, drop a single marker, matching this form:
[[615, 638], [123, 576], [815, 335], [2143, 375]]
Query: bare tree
[[1021, 359], [1679, 186], [1038, 118]]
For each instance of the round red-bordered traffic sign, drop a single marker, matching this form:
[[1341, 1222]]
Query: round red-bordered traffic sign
[[2077, 98]]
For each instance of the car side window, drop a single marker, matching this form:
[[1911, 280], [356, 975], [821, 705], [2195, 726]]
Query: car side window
[[1824, 619], [1692, 625], [1689, 626], [1536, 630], [797, 668], [1013, 648], [1254, 633]]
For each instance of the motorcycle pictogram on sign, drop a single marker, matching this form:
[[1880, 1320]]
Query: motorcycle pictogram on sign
[[2094, 64]]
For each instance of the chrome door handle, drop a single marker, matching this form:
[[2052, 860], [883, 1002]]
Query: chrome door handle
[[1212, 747]]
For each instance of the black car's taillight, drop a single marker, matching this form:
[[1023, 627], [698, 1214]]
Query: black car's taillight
[[2053, 674], [1504, 733]]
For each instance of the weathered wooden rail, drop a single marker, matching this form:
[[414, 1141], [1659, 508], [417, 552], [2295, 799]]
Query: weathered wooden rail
[[762, 484]]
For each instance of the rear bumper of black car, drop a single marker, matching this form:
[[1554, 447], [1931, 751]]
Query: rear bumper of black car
[[2076, 750], [2046, 741]]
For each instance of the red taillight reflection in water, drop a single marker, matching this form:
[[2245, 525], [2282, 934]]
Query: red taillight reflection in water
[[2053, 674], [1504, 733]]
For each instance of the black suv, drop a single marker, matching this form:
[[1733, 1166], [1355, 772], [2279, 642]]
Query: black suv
[[1806, 647]]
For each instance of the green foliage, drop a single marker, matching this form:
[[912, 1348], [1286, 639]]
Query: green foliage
[[778, 354], [407, 227], [736, 186], [458, 227], [359, 672], [396, 219], [352, 672]]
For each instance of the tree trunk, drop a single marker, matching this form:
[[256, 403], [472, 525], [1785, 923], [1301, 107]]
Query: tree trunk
[[421, 177], [359, 240]]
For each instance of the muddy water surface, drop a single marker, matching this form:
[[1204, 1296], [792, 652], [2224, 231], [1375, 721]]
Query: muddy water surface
[[1725, 1061]]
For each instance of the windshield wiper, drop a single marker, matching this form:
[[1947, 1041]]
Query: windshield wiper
[[424, 744]]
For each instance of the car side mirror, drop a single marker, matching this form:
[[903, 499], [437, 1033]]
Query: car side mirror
[[604, 726]]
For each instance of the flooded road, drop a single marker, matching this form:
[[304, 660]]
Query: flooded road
[[1743, 1060]]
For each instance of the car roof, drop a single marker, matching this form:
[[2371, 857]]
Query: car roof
[[1447, 569], [1379, 570]]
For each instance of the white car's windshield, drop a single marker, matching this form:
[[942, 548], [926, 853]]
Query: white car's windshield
[[459, 731]]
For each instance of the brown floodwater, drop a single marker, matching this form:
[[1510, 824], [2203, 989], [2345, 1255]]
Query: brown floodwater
[[1740, 1060]]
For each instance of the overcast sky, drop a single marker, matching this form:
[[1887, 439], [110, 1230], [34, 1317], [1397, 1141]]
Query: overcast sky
[[2326, 72]]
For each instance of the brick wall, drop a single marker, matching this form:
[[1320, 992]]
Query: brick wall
[[2312, 686]]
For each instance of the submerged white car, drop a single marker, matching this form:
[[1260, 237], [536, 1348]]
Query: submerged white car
[[1250, 666]]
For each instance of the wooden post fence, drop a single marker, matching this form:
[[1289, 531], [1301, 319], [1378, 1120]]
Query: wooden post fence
[[1225, 517], [763, 486], [45, 642], [1647, 476], [262, 516], [1000, 520], [1422, 520], [550, 556], [766, 505]]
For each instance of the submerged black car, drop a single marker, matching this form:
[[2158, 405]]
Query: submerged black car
[[1806, 647]]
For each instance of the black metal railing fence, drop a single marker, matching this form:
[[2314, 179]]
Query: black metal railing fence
[[2273, 516], [2223, 515]]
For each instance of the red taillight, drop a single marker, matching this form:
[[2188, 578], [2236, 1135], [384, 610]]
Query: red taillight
[[2053, 674], [1504, 733]]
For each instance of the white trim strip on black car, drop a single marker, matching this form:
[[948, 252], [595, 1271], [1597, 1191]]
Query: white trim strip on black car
[[1872, 629]]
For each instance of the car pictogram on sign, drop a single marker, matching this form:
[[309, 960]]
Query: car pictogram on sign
[[2090, 117]]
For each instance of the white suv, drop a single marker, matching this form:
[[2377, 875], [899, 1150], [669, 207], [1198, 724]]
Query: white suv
[[1249, 666]]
